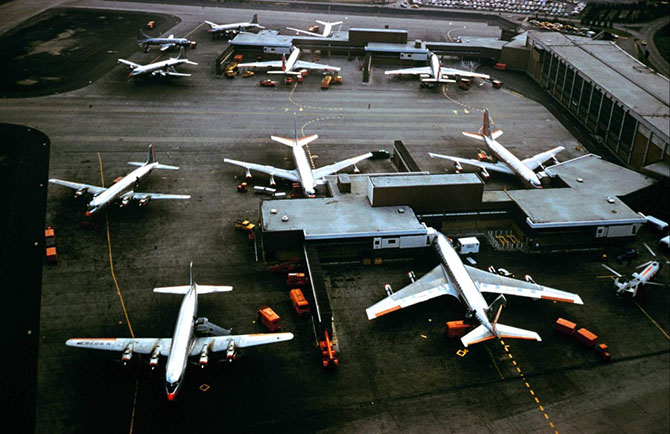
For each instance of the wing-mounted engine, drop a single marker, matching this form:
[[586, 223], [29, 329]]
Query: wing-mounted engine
[[80, 192], [203, 361], [127, 353], [485, 173], [155, 354], [231, 351], [458, 167], [144, 201], [125, 199]]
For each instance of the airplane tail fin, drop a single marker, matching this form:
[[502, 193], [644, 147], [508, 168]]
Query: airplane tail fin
[[481, 334], [494, 309], [283, 62], [200, 289], [254, 19], [486, 127], [152, 154], [152, 159]]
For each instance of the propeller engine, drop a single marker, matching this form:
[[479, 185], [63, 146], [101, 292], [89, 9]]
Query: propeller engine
[[204, 356], [231, 351], [127, 354], [153, 360], [388, 289]]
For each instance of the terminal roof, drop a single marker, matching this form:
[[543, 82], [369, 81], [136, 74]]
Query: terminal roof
[[348, 216], [615, 71], [593, 201]]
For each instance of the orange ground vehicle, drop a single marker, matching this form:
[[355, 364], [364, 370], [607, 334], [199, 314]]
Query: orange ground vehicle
[[269, 318], [296, 279], [299, 302]]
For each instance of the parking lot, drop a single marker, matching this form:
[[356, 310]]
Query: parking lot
[[396, 374]]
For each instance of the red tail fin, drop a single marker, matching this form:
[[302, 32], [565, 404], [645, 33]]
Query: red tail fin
[[486, 127], [283, 62]]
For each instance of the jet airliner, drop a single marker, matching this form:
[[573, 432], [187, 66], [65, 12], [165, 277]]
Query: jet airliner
[[327, 29], [507, 162], [452, 277], [303, 172], [436, 73], [290, 66]]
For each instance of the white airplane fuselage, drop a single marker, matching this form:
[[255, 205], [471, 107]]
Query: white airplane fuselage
[[182, 343], [119, 188], [145, 69], [304, 170], [233, 26], [459, 278], [292, 58], [435, 66], [514, 164], [161, 41]]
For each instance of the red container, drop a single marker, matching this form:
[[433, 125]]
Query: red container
[[586, 338], [565, 327]]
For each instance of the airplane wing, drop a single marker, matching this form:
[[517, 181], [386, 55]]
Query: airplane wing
[[134, 195], [481, 334], [139, 345], [300, 64], [305, 32], [201, 289], [167, 46], [291, 175], [496, 284], [430, 285], [494, 167], [129, 63], [220, 343], [415, 71], [93, 189], [327, 170], [534, 162], [177, 74], [266, 64], [450, 72]]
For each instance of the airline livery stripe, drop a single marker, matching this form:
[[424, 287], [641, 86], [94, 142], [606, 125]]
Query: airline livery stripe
[[393, 309], [482, 340], [566, 300]]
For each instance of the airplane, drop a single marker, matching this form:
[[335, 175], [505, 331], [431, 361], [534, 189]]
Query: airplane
[[650, 270], [123, 189], [289, 66], [327, 29], [436, 73], [303, 172], [507, 162], [452, 277], [145, 41], [234, 28], [164, 68], [184, 342]]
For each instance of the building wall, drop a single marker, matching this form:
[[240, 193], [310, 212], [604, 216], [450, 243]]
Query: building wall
[[621, 130]]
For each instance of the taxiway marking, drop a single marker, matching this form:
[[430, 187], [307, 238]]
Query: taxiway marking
[[528, 387], [120, 295], [658, 326]]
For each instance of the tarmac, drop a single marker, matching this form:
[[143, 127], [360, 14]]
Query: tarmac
[[397, 374]]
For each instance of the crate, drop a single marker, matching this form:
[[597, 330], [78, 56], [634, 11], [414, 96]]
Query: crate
[[456, 329], [52, 255], [586, 338], [500, 66], [565, 327]]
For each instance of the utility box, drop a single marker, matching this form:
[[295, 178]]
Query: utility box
[[456, 329], [468, 245]]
